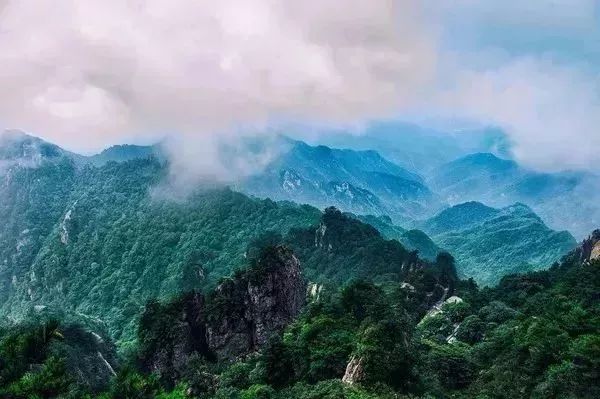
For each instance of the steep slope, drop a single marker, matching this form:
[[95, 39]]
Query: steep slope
[[489, 243], [36, 179], [535, 335], [341, 249], [101, 241], [355, 181], [41, 358], [236, 319]]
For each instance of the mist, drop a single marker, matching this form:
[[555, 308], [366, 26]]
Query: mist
[[200, 74]]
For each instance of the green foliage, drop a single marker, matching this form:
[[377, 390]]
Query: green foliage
[[130, 384], [102, 241], [36, 361], [490, 243]]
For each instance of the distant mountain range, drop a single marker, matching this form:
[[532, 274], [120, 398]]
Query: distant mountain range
[[486, 242], [361, 182], [416, 147], [565, 200]]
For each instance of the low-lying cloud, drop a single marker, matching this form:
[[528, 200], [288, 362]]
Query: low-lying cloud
[[550, 111]]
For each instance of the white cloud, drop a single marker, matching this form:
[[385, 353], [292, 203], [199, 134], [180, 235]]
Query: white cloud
[[87, 74], [551, 111]]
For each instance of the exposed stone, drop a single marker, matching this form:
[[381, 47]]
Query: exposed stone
[[453, 299], [595, 254], [590, 247], [354, 371], [235, 320], [259, 304]]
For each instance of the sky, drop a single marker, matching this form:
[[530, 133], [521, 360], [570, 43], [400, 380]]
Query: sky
[[88, 74]]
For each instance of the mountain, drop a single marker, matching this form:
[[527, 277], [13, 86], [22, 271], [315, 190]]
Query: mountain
[[20, 149], [564, 200], [341, 249], [475, 176], [417, 147], [355, 181], [489, 243], [411, 239], [236, 319], [459, 217], [124, 152], [101, 241], [535, 335]]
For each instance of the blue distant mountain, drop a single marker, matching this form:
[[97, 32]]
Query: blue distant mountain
[[474, 177], [354, 181], [564, 200], [419, 148]]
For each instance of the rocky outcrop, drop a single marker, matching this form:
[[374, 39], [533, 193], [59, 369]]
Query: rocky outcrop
[[248, 309], [590, 247], [172, 335], [354, 371], [235, 320], [595, 254]]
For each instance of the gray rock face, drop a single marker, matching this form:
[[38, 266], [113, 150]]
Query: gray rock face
[[236, 319], [354, 371], [590, 247], [260, 302], [183, 321]]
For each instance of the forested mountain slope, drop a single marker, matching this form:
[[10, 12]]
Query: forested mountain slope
[[535, 335], [101, 242], [490, 243]]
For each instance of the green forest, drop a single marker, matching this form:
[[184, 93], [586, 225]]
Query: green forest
[[112, 286], [534, 335]]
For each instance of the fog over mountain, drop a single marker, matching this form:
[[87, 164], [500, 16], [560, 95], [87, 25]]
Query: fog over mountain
[[89, 75]]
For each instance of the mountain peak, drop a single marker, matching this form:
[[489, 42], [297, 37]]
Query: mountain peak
[[459, 216], [124, 152], [19, 146]]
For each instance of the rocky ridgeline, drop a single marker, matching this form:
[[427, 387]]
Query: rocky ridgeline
[[233, 321], [590, 247]]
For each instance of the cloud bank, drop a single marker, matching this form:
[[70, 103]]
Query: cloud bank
[[90, 74], [86, 74]]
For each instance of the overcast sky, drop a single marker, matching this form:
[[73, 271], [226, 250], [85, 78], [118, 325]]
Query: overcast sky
[[87, 74]]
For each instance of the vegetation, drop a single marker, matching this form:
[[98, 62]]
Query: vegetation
[[100, 242], [490, 243], [534, 336], [160, 278]]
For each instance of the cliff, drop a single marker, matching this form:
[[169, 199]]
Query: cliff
[[233, 321]]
